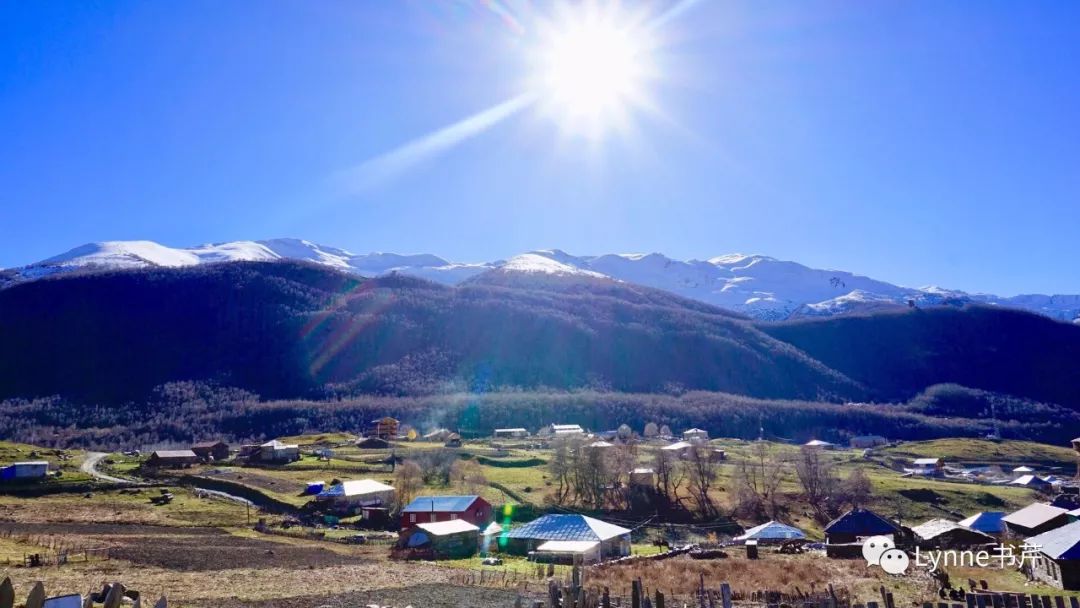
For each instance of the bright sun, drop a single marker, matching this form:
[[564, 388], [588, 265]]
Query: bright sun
[[590, 71]]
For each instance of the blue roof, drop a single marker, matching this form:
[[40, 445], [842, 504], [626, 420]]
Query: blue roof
[[442, 504], [567, 527], [861, 522], [987, 521]]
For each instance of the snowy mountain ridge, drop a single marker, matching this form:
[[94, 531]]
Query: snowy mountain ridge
[[759, 286]]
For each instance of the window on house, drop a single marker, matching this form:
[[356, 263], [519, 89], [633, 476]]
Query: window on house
[[453, 516], [412, 518]]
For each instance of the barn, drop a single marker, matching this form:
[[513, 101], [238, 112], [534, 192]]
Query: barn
[[1035, 519], [357, 494], [36, 469], [424, 509], [613, 541], [451, 539], [211, 450], [1058, 563], [172, 459], [945, 534], [844, 535]]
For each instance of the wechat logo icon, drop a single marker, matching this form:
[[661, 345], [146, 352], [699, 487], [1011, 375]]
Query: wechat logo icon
[[882, 551]]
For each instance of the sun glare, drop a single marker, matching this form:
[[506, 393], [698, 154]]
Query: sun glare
[[591, 70]]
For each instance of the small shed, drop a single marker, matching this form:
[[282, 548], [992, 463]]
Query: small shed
[[171, 459], [452, 539], [1058, 563], [211, 450], [771, 532], [599, 445], [568, 430], [452, 441], [818, 444], [437, 435], [34, 469], [1023, 469], [356, 494], [679, 448], [1035, 519], [945, 534], [928, 467], [987, 522]]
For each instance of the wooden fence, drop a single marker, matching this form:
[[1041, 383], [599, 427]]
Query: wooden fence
[[111, 596]]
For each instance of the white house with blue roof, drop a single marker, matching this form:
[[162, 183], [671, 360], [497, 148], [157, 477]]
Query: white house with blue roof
[[580, 532]]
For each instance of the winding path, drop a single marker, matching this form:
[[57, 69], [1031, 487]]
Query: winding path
[[89, 466]]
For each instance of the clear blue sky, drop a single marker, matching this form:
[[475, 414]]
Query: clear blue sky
[[932, 142]]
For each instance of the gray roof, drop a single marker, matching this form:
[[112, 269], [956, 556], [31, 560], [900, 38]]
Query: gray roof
[[174, 454], [936, 527], [1062, 543], [1034, 515], [568, 527]]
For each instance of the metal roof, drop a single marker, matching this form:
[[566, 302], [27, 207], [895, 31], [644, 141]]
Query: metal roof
[[936, 527], [355, 487], [678, 445], [443, 528], [861, 522], [817, 443], [451, 504], [1034, 515], [771, 530], [568, 527], [31, 463], [1029, 480], [987, 521], [1062, 543], [174, 454]]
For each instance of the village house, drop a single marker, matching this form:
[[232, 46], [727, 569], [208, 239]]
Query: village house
[[452, 441], [928, 467], [171, 459], [945, 534], [424, 509], [863, 442], [987, 522], [211, 450], [819, 444], [18, 471], [599, 445], [454, 539], [844, 535], [1033, 482], [276, 451], [384, 428], [354, 495], [695, 435], [1035, 519], [514, 433], [565, 430], [598, 537], [1058, 563], [771, 532], [679, 448]]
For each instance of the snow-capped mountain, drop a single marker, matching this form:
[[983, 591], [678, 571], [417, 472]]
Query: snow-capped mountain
[[759, 286]]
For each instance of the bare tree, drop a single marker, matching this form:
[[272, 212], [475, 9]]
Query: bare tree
[[669, 474], [408, 480], [559, 467], [858, 489], [700, 474], [818, 480], [651, 430], [757, 482], [469, 474]]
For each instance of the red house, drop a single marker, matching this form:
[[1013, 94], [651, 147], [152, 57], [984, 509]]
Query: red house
[[424, 509]]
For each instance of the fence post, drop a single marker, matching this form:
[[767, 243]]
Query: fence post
[[725, 595], [635, 593]]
